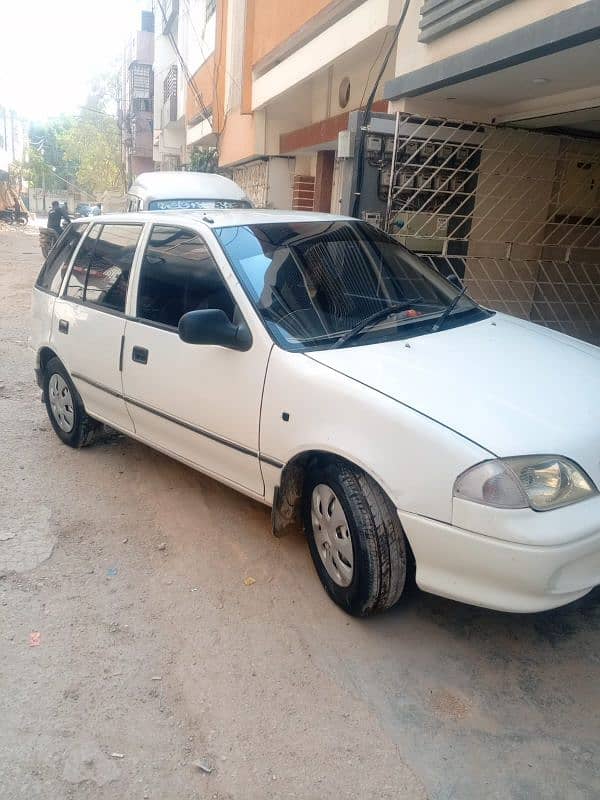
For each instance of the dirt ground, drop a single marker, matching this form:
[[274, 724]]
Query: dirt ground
[[130, 647]]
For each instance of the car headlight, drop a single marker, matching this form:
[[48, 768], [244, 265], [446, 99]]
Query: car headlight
[[538, 482]]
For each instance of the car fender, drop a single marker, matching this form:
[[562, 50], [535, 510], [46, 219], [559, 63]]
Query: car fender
[[309, 407]]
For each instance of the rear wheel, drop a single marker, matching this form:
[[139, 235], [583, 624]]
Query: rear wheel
[[356, 540], [65, 408]]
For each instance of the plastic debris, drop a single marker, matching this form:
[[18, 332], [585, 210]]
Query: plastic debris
[[35, 639], [162, 546], [157, 677], [125, 540], [111, 572], [249, 581], [117, 755], [203, 767]]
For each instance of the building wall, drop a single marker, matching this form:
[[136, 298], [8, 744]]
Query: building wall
[[204, 81], [276, 21], [238, 140], [412, 54]]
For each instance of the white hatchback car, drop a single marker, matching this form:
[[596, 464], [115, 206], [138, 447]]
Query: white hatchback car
[[314, 364]]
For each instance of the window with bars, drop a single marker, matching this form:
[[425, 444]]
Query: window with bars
[[141, 80], [170, 83]]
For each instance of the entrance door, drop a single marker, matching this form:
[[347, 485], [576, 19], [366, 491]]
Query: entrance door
[[200, 403]]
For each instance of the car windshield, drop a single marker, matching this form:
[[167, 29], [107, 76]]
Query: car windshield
[[314, 282], [173, 204]]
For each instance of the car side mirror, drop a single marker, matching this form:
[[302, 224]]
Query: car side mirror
[[212, 326], [455, 280]]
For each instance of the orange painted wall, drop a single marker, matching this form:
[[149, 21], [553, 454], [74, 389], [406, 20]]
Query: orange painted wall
[[204, 81], [275, 20], [238, 139]]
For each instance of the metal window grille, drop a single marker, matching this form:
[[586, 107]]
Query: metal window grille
[[141, 82], [170, 83], [515, 213]]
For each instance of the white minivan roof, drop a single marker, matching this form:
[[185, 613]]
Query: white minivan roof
[[186, 186]]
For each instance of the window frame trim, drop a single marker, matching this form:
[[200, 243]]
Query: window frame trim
[[39, 288], [98, 307]]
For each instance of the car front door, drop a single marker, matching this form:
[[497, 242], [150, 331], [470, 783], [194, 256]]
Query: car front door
[[89, 319], [200, 403]]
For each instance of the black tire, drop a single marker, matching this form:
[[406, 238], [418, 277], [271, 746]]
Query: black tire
[[383, 563], [84, 428]]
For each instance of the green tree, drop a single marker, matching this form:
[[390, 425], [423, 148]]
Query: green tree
[[83, 150], [46, 160], [93, 141], [94, 144], [204, 159]]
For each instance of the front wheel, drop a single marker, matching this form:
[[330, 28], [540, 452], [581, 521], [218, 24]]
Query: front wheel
[[65, 408], [356, 540]]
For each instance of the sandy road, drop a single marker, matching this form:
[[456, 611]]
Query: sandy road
[[165, 657]]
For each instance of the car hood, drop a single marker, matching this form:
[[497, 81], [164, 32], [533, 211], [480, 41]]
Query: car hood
[[510, 386]]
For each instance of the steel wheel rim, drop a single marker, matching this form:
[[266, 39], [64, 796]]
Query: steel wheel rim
[[332, 535], [61, 403]]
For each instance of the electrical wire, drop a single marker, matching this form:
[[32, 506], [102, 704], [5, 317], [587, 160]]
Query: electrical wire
[[360, 155], [184, 68]]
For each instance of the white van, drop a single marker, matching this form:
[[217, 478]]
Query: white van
[[175, 191]]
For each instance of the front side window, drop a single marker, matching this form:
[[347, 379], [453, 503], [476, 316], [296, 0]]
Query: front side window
[[315, 282], [179, 274], [100, 273], [53, 271]]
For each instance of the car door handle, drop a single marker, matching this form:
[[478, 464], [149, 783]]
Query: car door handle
[[63, 326], [139, 355]]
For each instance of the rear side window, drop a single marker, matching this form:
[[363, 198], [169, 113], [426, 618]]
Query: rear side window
[[100, 275], [53, 271], [178, 275]]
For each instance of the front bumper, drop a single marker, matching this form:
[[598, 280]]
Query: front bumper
[[504, 575]]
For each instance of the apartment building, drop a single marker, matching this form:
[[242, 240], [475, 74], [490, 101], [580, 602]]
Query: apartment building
[[170, 86], [279, 86], [137, 99]]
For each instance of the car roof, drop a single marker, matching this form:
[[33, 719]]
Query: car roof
[[219, 218], [186, 186]]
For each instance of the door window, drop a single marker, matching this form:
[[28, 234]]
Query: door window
[[76, 285], [178, 275], [101, 275], [53, 271]]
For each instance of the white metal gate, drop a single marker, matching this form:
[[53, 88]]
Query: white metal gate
[[514, 213]]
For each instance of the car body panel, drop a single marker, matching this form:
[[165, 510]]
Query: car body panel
[[90, 351], [502, 383], [507, 576], [330, 413]]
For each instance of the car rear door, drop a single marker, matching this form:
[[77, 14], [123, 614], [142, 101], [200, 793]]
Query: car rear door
[[200, 403], [89, 318]]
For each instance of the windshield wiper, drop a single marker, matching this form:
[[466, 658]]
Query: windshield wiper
[[441, 320], [395, 308]]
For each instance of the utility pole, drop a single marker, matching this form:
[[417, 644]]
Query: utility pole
[[43, 183]]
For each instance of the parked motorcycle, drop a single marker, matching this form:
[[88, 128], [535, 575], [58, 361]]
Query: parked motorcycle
[[13, 217]]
